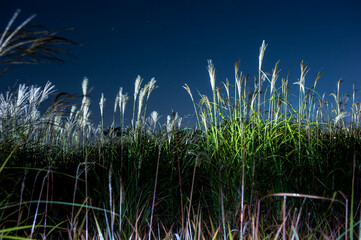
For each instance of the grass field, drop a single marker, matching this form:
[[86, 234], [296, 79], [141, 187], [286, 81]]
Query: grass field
[[252, 167]]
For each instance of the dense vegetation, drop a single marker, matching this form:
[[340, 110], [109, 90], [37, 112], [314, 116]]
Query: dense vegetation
[[252, 167]]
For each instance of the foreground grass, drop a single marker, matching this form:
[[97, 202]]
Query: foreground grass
[[254, 167]]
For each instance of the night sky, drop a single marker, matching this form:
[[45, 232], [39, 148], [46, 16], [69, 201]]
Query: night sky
[[172, 40]]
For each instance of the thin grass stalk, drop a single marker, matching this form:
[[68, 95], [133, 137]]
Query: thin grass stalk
[[154, 194], [191, 196], [47, 199], [259, 88], [111, 207], [120, 204], [21, 195], [86, 197], [101, 105], [137, 84], [38, 205], [223, 213], [301, 103], [186, 87], [284, 217], [297, 222], [352, 197], [242, 191], [214, 126]]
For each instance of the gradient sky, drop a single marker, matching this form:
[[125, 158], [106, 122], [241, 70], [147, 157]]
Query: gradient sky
[[172, 40]]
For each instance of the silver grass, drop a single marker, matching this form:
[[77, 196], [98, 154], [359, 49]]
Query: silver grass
[[125, 99], [142, 93], [274, 78], [4, 42], [204, 120], [85, 113], [34, 95], [226, 86], [319, 75], [120, 99], [101, 105], [84, 85], [137, 84], [212, 74], [218, 91], [48, 89], [116, 105], [27, 46], [169, 124], [239, 85], [72, 112], [179, 122], [262, 49], [301, 81], [155, 117], [186, 87], [236, 68], [150, 86], [176, 122], [340, 116], [205, 100], [22, 97]]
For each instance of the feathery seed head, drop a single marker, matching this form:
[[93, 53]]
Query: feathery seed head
[[218, 91], [186, 87], [301, 81], [85, 85], [120, 98], [142, 93], [48, 89], [262, 49], [116, 104], [34, 95], [319, 75], [212, 74], [125, 99], [226, 86], [72, 111], [236, 68], [150, 86], [137, 83], [239, 85], [86, 112], [274, 77], [169, 124], [155, 117], [101, 104], [22, 95], [338, 85], [205, 100], [204, 120]]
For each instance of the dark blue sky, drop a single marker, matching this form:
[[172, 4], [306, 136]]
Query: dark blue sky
[[172, 40]]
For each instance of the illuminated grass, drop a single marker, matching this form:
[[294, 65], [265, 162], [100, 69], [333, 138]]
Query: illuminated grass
[[253, 167]]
